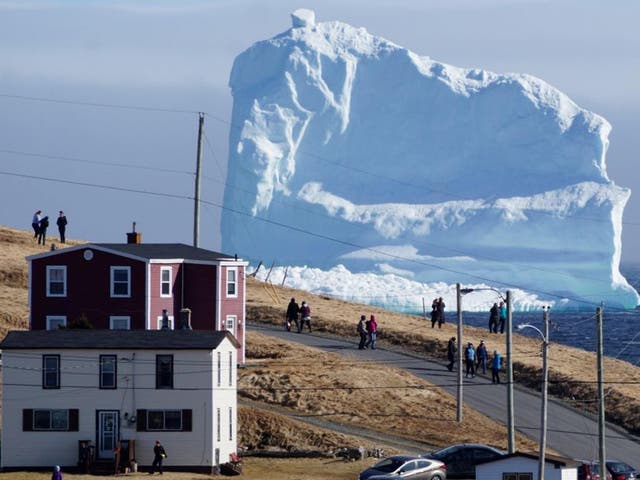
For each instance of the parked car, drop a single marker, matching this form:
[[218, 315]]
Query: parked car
[[621, 470], [461, 460], [405, 466], [590, 471]]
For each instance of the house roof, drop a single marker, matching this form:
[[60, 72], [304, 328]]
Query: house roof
[[148, 251], [116, 339], [553, 459]]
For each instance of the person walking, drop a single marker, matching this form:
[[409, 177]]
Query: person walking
[[42, 231], [496, 365], [35, 223], [440, 312], [452, 349], [57, 474], [482, 356], [503, 316], [305, 316], [362, 331], [434, 312], [372, 332], [470, 360], [62, 225], [494, 316], [292, 315], [159, 455]]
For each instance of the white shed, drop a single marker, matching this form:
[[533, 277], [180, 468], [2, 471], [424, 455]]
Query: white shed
[[62, 387], [524, 466]]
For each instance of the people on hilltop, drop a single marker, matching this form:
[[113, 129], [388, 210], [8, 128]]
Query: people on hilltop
[[62, 226], [362, 331], [452, 349], [42, 230], [35, 223], [494, 316], [305, 317], [503, 316], [482, 356], [496, 365], [434, 312], [470, 360], [292, 315], [372, 332], [440, 309]]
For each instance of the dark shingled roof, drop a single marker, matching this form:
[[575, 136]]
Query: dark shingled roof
[[166, 250], [116, 339], [554, 459]]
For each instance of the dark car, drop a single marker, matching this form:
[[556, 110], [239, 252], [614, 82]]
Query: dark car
[[405, 466], [461, 460], [621, 470]]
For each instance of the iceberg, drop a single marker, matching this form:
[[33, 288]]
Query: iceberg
[[349, 150]]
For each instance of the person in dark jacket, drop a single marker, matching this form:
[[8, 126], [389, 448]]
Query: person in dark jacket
[[482, 356], [372, 332], [452, 349], [42, 231], [158, 457], [503, 316], [305, 316], [494, 315], [434, 312], [362, 331], [292, 314], [62, 225], [35, 223], [440, 312]]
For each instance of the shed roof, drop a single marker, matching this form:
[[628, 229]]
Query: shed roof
[[553, 459], [116, 339]]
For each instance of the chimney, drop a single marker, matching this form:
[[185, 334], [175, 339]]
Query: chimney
[[134, 237], [185, 319], [165, 320]]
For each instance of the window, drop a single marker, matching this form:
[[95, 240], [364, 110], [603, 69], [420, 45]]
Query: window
[[231, 324], [50, 420], [164, 371], [219, 368], [165, 281], [517, 476], [108, 371], [51, 371], [230, 369], [164, 420], [232, 273], [170, 322], [54, 322], [117, 322], [56, 281], [120, 281], [230, 423], [218, 424]]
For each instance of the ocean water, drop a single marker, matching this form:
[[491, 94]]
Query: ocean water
[[621, 328]]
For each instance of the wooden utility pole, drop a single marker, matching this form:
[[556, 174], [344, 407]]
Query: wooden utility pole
[[601, 448], [196, 206], [544, 388]]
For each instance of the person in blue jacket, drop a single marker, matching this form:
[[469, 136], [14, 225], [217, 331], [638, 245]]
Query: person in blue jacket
[[496, 365], [503, 316]]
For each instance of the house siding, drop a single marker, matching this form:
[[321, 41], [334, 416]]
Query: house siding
[[194, 389], [494, 470], [158, 302], [234, 305]]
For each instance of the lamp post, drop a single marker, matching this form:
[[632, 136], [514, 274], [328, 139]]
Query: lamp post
[[545, 376]]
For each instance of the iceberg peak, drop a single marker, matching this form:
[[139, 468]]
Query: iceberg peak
[[303, 18]]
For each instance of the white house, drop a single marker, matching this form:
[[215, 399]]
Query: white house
[[63, 386], [524, 466]]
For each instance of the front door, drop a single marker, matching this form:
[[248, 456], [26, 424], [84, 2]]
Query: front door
[[108, 429]]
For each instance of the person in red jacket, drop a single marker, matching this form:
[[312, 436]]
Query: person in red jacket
[[372, 331]]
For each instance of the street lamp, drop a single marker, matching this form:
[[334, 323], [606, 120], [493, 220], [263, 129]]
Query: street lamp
[[511, 437], [545, 375]]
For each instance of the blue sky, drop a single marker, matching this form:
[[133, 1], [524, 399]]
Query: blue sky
[[174, 59]]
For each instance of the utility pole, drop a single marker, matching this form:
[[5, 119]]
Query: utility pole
[[511, 436], [601, 449], [459, 395], [545, 379], [196, 207]]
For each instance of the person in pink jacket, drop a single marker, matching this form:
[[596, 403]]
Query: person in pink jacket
[[372, 331]]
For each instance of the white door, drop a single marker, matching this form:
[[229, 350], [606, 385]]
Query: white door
[[107, 432]]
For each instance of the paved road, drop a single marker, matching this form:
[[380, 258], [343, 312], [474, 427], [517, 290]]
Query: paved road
[[568, 432]]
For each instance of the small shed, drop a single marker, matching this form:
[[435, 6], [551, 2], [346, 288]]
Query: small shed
[[524, 466]]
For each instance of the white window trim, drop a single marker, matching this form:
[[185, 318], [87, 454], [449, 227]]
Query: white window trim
[[114, 318], [112, 283], [50, 318], [170, 322], [234, 319], [231, 269], [170, 270], [64, 281]]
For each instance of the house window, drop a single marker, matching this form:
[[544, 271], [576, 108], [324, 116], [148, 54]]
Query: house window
[[51, 371], [230, 423], [45, 419], [120, 281], [54, 322], [108, 371], [164, 371], [230, 369], [231, 324], [165, 281], [56, 281], [517, 476], [170, 324], [232, 290], [219, 368], [218, 424], [164, 420], [117, 322]]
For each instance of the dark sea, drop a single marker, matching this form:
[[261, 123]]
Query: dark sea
[[621, 328]]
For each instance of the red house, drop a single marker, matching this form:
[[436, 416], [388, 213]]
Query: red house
[[138, 286]]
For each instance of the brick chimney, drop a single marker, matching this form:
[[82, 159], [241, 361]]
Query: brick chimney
[[134, 237], [185, 319]]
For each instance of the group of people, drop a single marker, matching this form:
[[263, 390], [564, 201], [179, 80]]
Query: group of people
[[293, 310], [368, 331], [437, 312], [475, 358], [497, 317], [40, 224]]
